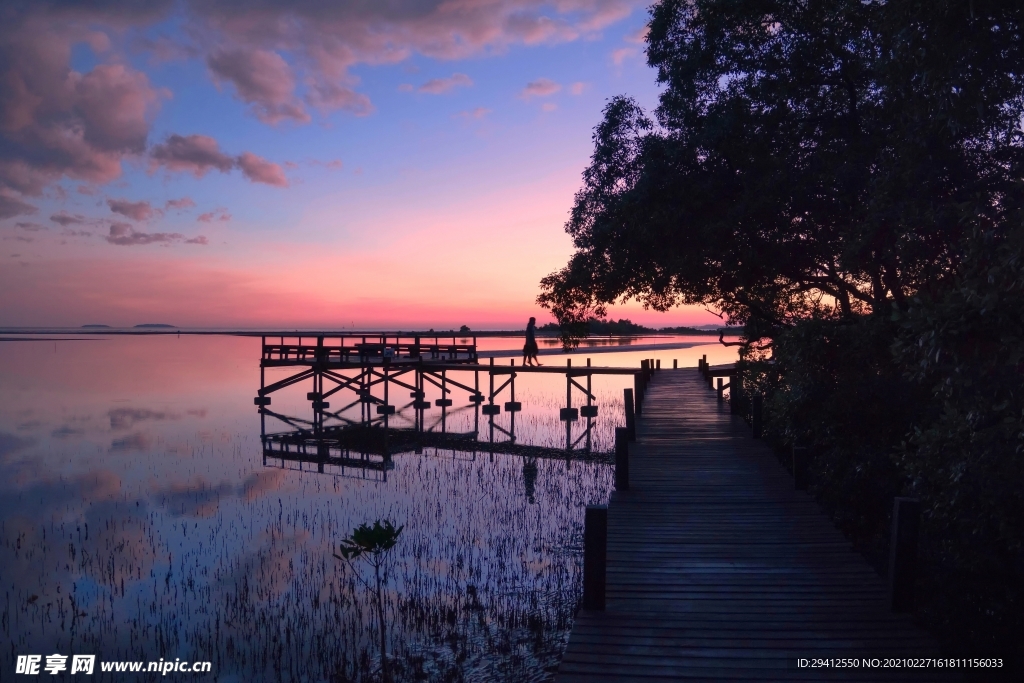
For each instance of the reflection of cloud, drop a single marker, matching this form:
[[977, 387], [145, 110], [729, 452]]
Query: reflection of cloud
[[133, 442], [259, 483], [9, 443], [193, 499], [65, 432], [125, 418], [197, 498], [111, 541]]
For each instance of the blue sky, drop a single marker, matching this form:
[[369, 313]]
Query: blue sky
[[300, 164]]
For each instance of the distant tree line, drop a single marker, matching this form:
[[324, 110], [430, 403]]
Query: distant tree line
[[596, 327], [844, 181]]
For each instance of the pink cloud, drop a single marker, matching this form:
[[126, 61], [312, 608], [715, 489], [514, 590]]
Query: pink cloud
[[11, 205], [198, 154], [138, 211], [195, 154], [437, 86], [622, 54], [639, 36], [219, 215], [30, 227], [577, 88], [261, 79], [259, 170], [56, 122], [477, 113], [542, 87], [329, 96], [123, 234], [65, 219], [180, 204]]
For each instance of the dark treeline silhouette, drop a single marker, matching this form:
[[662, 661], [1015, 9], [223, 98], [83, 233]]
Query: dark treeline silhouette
[[843, 181], [623, 326]]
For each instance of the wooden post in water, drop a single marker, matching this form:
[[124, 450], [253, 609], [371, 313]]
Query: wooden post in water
[[755, 415], [387, 366], [595, 556], [675, 363], [906, 515], [800, 468], [721, 389], [621, 459], [627, 399]]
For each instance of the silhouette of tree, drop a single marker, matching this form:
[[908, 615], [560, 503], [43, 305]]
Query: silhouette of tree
[[806, 160]]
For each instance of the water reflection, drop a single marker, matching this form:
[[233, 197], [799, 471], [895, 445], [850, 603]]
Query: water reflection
[[139, 522]]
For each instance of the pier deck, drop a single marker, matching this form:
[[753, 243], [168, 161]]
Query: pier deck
[[717, 569]]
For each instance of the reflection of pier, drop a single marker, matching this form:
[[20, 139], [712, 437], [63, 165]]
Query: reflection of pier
[[367, 449], [373, 371]]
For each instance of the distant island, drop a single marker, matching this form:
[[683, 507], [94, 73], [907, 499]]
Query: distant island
[[152, 325], [94, 326]]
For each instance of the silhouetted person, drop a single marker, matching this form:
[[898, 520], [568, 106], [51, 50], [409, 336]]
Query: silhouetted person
[[530, 350]]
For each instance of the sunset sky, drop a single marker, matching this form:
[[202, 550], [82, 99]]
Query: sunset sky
[[301, 164]]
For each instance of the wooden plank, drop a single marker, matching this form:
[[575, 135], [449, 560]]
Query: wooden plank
[[718, 569]]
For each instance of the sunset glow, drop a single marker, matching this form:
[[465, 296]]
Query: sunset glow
[[301, 166]]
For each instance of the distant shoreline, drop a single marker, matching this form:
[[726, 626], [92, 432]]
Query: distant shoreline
[[340, 333]]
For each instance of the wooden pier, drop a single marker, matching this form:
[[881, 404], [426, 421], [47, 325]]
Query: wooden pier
[[716, 568], [373, 374]]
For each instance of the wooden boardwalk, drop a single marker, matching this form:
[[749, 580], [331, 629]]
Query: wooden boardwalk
[[719, 570]]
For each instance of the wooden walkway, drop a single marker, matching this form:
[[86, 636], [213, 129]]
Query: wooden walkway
[[719, 570]]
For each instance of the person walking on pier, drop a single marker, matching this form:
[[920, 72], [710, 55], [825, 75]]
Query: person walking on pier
[[530, 350]]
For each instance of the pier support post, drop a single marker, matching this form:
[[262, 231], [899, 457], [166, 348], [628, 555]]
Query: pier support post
[[657, 364], [906, 514], [621, 459], [595, 556], [755, 415], [627, 399], [675, 363], [638, 393], [721, 389], [800, 468]]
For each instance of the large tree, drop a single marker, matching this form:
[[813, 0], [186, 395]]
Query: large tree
[[808, 159]]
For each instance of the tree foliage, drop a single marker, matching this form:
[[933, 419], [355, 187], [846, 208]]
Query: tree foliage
[[845, 180], [806, 159]]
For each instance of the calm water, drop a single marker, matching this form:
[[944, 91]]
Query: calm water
[[139, 519]]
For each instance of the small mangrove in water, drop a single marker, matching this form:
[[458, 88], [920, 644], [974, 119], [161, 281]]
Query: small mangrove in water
[[374, 545]]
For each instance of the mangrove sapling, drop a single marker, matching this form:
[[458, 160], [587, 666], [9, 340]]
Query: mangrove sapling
[[373, 544]]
